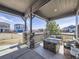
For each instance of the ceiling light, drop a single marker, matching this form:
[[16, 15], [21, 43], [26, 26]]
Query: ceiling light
[[55, 10]]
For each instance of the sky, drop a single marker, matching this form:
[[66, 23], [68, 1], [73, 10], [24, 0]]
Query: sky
[[11, 19], [37, 22], [64, 22]]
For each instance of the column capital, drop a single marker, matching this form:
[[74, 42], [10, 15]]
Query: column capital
[[47, 20], [24, 18]]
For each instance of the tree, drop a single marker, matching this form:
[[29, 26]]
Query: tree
[[53, 28]]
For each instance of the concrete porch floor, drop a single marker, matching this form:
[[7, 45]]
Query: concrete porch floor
[[39, 53], [63, 53]]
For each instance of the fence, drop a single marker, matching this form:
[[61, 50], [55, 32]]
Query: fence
[[10, 38], [66, 36]]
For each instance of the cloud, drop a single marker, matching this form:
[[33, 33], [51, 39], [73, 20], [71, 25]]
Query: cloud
[[4, 19]]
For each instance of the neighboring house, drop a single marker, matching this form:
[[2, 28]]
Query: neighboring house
[[19, 28], [4, 27], [70, 29]]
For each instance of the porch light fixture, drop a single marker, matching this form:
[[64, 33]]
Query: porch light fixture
[[55, 10]]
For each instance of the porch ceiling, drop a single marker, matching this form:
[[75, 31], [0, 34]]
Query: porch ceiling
[[19, 5], [58, 8], [44, 8]]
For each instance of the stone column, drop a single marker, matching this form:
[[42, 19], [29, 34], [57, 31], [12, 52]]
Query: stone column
[[31, 33]]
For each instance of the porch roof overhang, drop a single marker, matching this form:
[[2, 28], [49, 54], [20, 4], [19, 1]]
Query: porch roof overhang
[[48, 9]]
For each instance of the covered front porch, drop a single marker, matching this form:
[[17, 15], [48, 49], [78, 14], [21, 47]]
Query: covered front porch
[[44, 9]]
